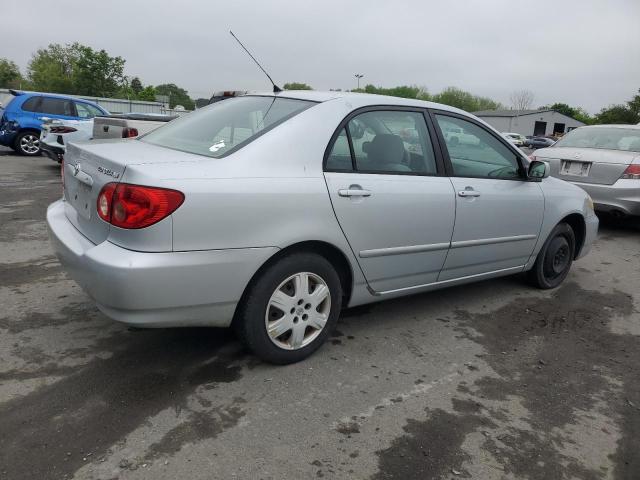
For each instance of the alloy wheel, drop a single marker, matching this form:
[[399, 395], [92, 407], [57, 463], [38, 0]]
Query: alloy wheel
[[30, 144]]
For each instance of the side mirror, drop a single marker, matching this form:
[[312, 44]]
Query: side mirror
[[538, 170]]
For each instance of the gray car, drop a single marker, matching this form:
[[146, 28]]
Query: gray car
[[604, 160], [272, 212]]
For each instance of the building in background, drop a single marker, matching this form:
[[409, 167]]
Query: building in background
[[537, 123]]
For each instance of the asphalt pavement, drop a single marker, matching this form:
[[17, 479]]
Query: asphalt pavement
[[494, 380]]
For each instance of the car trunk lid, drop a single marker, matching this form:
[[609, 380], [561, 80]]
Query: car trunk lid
[[587, 165], [90, 166]]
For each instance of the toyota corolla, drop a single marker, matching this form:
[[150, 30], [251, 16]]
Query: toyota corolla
[[272, 212]]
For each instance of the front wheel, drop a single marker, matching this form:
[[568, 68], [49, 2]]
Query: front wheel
[[290, 309], [555, 258], [28, 143]]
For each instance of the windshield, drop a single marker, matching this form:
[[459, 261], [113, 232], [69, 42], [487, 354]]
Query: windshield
[[627, 139], [218, 129]]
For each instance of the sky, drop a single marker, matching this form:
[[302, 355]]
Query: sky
[[581, 52]]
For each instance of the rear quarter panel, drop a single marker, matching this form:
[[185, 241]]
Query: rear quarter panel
[[271, 193]]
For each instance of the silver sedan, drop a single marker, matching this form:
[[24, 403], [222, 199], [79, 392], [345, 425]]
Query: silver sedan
[[604, 160], [272, 212]]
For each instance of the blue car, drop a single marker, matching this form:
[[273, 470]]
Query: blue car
[[21, 121]]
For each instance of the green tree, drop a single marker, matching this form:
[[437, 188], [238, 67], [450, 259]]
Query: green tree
[[76, 69], [177, 95], [97, 73], [136, 85], [148, 93], [403, 91], [9, 74], [464, 100], [51, 68], [297, 86], [577, 113], [617, 114]]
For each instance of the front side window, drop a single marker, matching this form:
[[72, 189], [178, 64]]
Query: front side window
[[225, 126], [385, 141], [87, 111], [56, 106], [474, 152]]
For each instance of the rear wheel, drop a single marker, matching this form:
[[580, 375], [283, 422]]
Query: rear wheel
[[555, 258], [290, 309], [28, 143]]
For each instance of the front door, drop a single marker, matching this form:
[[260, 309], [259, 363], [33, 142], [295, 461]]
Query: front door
[[390, 198], [498, 212]]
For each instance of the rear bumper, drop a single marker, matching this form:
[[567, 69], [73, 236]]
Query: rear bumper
[[55, 153], [623, 196], [172, 289]]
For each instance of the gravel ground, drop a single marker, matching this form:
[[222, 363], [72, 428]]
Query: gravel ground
[[487, 381]]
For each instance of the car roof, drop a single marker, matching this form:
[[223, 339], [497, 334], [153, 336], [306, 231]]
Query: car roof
[[361, 99], [614, 125], [26, 94]]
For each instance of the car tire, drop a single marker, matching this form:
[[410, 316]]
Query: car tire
[[554, 259], [27, 143], [281, 321]]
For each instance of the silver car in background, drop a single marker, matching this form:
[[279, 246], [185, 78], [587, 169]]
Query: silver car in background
[[272, 212], [604, 160]]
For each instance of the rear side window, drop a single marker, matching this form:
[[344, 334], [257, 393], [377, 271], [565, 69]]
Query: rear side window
[[225, 126], [31, 104], [56, 106], [384, 141]]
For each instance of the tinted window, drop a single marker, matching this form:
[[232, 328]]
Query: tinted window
[[340, 155], [56, 106], [223, 126], [87, 111], [31, 104], [474, 152], [387, 141]]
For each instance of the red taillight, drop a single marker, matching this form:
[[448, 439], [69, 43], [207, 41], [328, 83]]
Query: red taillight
[[136, 206], [129, 132], [63, 129], [632, 171]]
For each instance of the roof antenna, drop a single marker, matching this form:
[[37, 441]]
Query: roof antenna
[[276, 88]]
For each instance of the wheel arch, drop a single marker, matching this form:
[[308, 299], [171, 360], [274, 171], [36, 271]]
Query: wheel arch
[[579, 227], [330, 252]]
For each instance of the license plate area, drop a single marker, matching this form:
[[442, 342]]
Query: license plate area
[[574, 168], [79, 196]]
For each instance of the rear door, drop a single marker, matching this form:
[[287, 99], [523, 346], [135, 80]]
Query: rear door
[[498, 212], [53, 107], [390, 196]]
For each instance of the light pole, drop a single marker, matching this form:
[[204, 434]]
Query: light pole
[[359, 76]]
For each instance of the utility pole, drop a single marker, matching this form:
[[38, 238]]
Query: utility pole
[[359, 76]]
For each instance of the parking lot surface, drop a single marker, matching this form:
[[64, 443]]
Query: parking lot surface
[[493, 380]]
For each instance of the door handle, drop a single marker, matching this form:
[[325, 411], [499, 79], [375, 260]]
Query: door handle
[[468, 193], [354, 192]]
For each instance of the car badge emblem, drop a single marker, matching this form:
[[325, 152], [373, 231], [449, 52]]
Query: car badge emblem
[[577, 155]]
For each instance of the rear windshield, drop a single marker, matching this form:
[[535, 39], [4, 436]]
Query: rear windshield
[[225, 126], [626, 139]]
